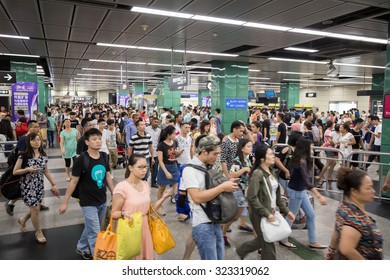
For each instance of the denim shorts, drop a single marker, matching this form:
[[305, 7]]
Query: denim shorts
[[240, 198], [162, 179]]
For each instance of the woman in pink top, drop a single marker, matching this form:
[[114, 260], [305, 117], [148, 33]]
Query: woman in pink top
[[328, 143], [133, 195], [296, 126]]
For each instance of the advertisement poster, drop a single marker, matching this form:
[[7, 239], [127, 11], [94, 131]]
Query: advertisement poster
[[386, 110], [123, 100], [24, 97]]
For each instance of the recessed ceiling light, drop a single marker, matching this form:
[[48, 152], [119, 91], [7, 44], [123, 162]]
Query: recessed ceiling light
[[21, 55], [300, 50], [218, 20], [14, 37], [116, 45], [267, 26]]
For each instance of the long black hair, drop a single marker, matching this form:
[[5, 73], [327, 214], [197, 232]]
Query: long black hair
[[170, 129], [260, 153], [240, 146], [29, 149], [301, 151]]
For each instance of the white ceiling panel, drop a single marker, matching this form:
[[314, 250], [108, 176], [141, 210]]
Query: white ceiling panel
[[126, 39], [76, 55], [29, 29], [270, 8], [326, 14], [81, 34], [56, 13], [56, 32], [385, 4], [203, 7], [16, 46], [358, 31], [150, 41], [236, 7], [35, 44], [91, 55], [88, 17], [170, 26], [106, 36], [150, 20], [84, 63], [71, 63], [173, 5], [220, 31], [195, 29], [56, 62], [56, 46], [22, 10], [74, 47], [56, 53], [170, 42], [118, 21], [6, 27], [374, 25]]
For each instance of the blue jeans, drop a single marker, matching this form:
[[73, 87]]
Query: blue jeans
[[299, 199], [50, 137], [208, 239], [93, 219]]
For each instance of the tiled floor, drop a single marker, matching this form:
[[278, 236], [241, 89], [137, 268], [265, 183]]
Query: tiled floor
[[63, 231]]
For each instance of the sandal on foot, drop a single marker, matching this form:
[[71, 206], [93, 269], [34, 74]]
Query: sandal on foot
[[40, 239], [287, 245], [317, 246], [320, 182], [22, 224]]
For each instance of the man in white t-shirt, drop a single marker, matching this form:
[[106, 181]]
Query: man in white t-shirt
[[376, 139], [206, 234], [185, 143]]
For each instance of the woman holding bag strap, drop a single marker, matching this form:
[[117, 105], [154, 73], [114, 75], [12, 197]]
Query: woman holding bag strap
[[133, 195], [261, 204]]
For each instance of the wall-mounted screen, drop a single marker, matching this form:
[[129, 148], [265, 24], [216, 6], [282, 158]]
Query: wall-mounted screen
[[269, 94]]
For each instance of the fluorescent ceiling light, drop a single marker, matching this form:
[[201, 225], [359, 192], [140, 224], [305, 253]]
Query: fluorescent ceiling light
[[161, 12], [300, 50], [21, 55], [310, 32], [358, 38], [124, 71], [166, 50], [218, 20], [359, 65], [294, 73], [117, 61], [14, 37], [297, 60], [352, 76], [118, 76], [259, 78], [254, 70], [116, 45], [165, 65], [267, 26]]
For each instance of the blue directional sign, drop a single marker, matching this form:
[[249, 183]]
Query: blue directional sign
[[236, 103]]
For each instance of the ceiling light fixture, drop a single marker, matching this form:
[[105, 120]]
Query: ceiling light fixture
[[160, 12], [295, 73], [300, 50], [21, 55], [259, 78], [266, 26], [218, 20], [359, 65], [14, 37], [297, 60], [117, 61], [166, 50]]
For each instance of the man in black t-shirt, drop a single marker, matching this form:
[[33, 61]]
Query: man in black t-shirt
[[358, 134], [282, 130], [91, 179], [265, 127]]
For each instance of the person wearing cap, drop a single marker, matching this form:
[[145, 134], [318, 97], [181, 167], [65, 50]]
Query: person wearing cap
[[206, 234]]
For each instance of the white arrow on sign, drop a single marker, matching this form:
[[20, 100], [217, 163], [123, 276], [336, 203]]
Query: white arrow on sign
[[8, 77]]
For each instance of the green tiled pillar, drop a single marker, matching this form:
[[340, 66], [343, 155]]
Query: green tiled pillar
[[290, 92], [385, 147], [378, 82], [230, 83], [42, 102], [169, 98]]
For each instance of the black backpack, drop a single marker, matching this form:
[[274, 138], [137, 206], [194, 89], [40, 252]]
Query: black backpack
[[85, 164], [221, 209], [9, 183]]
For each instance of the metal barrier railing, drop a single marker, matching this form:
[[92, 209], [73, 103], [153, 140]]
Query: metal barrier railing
[[381, 165], [3, 151]]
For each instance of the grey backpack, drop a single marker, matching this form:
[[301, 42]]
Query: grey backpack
[[221, 209]]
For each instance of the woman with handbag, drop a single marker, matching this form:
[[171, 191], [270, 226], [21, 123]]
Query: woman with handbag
[[133, 195], [263, 194], [300, 165], [356, 236], [33, 186]]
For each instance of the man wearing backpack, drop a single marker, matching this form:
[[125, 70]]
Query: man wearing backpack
[[91, 179], [207, 235]]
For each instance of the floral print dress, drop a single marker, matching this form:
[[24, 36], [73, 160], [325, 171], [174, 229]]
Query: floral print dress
[[33, 184]]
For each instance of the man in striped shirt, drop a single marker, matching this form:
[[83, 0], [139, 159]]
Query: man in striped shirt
[[141, 143]]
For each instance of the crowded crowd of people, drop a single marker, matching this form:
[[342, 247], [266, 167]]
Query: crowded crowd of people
[[156, 145]]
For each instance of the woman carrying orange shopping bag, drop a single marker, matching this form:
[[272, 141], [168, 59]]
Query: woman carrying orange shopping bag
[[133, 195]]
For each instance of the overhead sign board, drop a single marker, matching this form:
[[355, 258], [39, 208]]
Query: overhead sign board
[[311, 94], [7, 77], [236, 103], [178, 82]]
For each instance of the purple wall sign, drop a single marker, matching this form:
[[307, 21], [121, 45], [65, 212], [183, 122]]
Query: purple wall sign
[[386, 106], [123, 99], [24, 97]]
